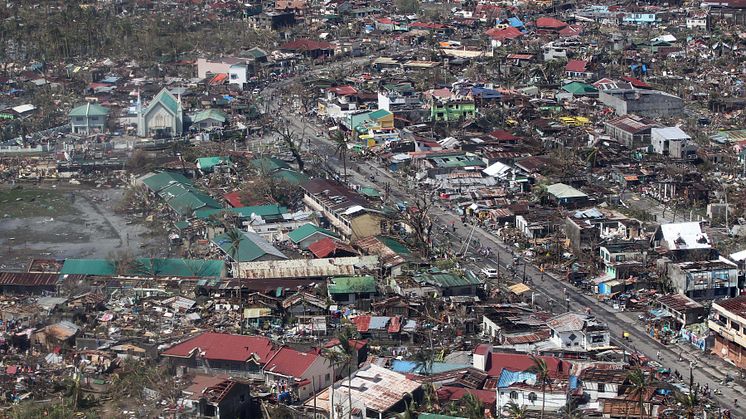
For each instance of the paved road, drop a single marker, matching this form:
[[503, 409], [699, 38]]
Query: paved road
[[549, 289]]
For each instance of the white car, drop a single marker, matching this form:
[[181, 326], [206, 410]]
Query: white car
[[489, 272]]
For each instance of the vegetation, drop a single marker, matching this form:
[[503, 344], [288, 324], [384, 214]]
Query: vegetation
[[542, 378]]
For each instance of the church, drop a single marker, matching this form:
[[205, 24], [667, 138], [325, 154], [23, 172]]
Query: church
[[163, 117]]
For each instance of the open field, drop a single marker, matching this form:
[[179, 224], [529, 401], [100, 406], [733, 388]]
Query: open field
[[66, 221]]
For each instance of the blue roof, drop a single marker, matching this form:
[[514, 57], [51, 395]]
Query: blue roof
[[508, 378], [403, 366], [515, 22], [485, 93]]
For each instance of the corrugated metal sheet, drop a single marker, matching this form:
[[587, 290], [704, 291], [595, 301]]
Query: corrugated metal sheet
[[26, 279], [306, 268]]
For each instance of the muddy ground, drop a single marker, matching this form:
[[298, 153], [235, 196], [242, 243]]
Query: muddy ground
[[60, 220]]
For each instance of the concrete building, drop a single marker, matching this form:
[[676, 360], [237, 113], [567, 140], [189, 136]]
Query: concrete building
[[88, 119], [630, 130], [673, 142], [578, 332], [346, 212], [728, 323], [651, 103], [705, 280]]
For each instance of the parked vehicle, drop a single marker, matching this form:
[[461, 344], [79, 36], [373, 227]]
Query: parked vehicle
[[490, 272]]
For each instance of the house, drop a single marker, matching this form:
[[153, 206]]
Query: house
[[448, 283], [347, 212], [163, 117], [578, 69], [566, 195], [327, 247], [682, 241], [673, 142], [272, 20], [88, 119], [301, 374], [630, 130], [651, 103], [550, 24], [349, 290], [606, 382], [516, 382], [308, 234], [236, 70], [375, 392], [537, 224], [623, 259], [216, 397], [213, 164], [385, 328], [706, 279], [682, 308], [698, 21], [727, 321], [33, 282], [251, 247], [636, 18], [578, 332], [209, 119], [309, 48], [222, 352], [304, 304], [394, 256]]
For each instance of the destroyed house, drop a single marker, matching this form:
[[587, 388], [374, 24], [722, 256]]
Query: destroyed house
[[348, 213], [221, 352]]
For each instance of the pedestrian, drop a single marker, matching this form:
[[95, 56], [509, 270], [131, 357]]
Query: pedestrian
[[658, 354]]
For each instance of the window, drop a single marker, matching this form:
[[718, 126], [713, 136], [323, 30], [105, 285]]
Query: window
[[514, 395], [601, 387], [735, 326], [327, 377], [532, 396], [620, 258]]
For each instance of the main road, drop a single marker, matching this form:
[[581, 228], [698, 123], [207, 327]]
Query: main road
[[550, 290]]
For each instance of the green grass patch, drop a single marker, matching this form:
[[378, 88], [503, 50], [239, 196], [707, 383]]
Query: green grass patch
[[30, 202]]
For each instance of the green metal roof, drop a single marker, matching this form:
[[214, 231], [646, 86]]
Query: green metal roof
[[563, 191], [370, 192], [158, 181], [448, 280], [352, 284], [250, 248], [214, 114], [578, 88], [89, 109], [381, 113], [98, 267], [167, 99], [291, 176], [269, 164], [306, 230], [209, 163], [394, 245]]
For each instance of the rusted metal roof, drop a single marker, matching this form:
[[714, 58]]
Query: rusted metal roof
[[26, 279]]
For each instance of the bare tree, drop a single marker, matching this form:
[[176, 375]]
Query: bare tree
[[292, 140], [417, 216]]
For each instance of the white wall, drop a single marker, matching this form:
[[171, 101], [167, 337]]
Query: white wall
[[554, 400]]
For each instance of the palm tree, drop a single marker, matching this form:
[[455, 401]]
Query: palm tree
[[515, 411], [334, 357], [410, 411], [688, 404], [542, 378], [424, 361], [342, 142], [640, 384], [348, 354], [235, 237], [473, 407]]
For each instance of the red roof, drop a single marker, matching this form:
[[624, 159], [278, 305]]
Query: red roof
[[503, 34], [636, 82], [234, 199], [482, 349], [571, 31], [576, 66], [448, 393], [219, 78], [329, 247], [549, 23], [523, 362], [343, 90], [289, 362], [394, 325], [385, 21], [502, 135], [355, 343], [306, 45], [223, 346], [362, 323]]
